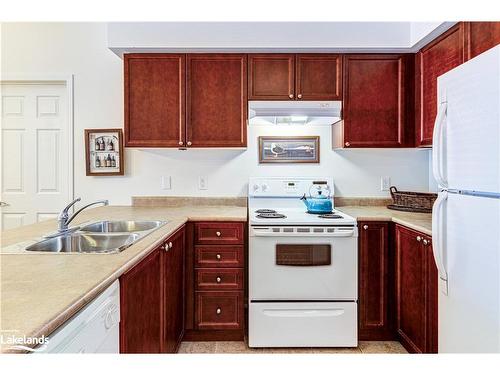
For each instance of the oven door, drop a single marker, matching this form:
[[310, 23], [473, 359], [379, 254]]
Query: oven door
[[303, 264]]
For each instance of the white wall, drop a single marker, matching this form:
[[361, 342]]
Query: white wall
[[81, 49]]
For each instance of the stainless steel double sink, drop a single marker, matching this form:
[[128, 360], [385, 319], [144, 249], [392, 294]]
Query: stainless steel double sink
[[99, 237]]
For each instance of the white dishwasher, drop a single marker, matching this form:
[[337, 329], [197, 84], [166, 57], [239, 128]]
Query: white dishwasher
[[94, 329]]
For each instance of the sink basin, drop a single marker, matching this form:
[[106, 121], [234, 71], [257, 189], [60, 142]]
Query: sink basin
[[86, 243], [122, 226]]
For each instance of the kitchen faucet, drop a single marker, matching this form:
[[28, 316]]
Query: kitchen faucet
[[64, 219]]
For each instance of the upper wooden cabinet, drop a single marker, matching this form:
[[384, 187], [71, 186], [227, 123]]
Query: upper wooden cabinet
[[216, 100], [375, 101], [271, 77], [441, 55], [177, 101], [481, 36], [295, 77], [154, 100]]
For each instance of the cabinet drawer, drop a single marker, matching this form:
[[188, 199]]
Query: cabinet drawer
[[219, 256], [219, 310], [213, 278], [219, 233]]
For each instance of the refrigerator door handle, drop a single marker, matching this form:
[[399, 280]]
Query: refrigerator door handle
[[437, 146], [437, 242]]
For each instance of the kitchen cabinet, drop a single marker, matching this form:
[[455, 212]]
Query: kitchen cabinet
[[152, 300], [216, 100], [173, 270], [295, 77], [375, 102], [438, 57], [375, 291], [416, 291], [215, 299], [154, 100], [141, 299], [481, 36]]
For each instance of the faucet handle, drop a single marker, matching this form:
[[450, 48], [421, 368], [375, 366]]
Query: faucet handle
[[65, 209]]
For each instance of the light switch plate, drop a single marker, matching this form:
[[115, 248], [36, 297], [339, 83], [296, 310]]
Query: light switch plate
[[166, 182], [202, 183], [385, 183]]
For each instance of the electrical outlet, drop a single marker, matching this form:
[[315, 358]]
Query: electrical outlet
[[166, 182], [202, 183], [385, 183]]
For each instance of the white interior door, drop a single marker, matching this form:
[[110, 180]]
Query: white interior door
[[37, 151]]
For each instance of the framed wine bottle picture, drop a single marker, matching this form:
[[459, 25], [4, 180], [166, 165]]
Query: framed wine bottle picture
[[104, 152]]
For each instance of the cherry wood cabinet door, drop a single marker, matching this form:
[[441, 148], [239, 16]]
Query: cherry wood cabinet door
[[374, 100], [441, 55], [216, 109], [318, 77], [431, 298], [154, 100], [141, 306], [174, 286], [411, 301], [271, 76], [374, 286], [481, 36]]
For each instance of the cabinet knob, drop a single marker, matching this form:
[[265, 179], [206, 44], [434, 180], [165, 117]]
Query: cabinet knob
[[218, 256], [365, 227], [419, 238], [181, 143], [425, 242], [347, 144], [170, 245], [218, 311], [218, 234], [189, 143], [164, 247], [290, 96], [299, 96], [218, 279]]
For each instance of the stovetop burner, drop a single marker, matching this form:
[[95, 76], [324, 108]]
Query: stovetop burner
[[271, 215], [330, 216], [265, 211]]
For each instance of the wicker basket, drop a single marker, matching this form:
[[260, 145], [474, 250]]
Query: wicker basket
[[411, 201]]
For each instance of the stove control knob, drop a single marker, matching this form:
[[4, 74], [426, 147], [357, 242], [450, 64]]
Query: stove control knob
[[264, 187], [255, 187]]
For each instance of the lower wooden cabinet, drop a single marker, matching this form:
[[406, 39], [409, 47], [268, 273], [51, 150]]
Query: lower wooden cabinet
[[416, 291], [375, 298], [141, 298], [152, 300]]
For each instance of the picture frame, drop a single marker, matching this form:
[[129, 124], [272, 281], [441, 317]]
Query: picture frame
[[104, 152], [296, 149]]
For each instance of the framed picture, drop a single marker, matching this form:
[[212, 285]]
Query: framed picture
[[104, 152], [289, 149]]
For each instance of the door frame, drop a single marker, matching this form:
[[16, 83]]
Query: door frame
[[36, 78]]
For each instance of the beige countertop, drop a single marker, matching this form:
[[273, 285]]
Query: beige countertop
[[39, 292], [418, 221]]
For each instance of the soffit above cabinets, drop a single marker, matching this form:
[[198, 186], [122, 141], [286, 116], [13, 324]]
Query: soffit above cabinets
[[281, 37]]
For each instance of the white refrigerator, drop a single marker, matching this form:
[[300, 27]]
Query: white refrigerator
[[466, 215]]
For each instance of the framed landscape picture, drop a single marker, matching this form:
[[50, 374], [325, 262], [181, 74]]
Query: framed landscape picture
[[302, 149], [104, 152]]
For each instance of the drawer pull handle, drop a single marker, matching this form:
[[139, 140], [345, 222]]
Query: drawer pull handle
[[218, 311], [218, 279], [218, 234], [218, 256]]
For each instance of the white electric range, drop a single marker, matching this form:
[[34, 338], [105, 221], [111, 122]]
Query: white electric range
[[303, 268]]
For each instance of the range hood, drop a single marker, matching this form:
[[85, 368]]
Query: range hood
[[294, 112]]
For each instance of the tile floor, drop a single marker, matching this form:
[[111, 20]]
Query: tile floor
[[240, 347]]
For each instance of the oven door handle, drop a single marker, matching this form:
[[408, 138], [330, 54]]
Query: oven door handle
[[303, 313], [270, 232]]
